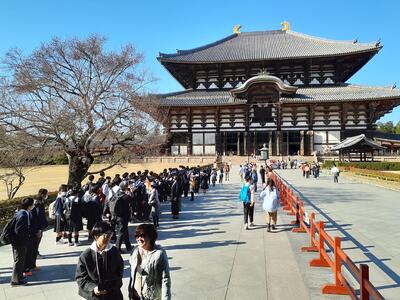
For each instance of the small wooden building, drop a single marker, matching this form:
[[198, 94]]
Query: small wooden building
[[279, 87], [359, 145]]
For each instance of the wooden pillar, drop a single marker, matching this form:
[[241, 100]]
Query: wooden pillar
[[238, 144], [361, 156], [311, 133], [270, 143], [287, 142], [302, 142], [245, 150], [190, 143], [224, 143], [278, 142], [255, 143]]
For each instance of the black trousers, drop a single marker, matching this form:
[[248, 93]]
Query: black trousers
[[175, 206], [122, 233], [248, 212], [19, 254], [31, 252]]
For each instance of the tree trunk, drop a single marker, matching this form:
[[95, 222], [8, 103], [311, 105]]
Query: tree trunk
[[78, 166]]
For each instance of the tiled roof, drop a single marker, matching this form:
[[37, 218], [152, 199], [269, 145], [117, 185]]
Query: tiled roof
[[199, 98], [268, 45], [354, 140], [342, 93]]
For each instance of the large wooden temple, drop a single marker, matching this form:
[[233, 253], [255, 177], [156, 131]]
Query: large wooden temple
[[279, 87]]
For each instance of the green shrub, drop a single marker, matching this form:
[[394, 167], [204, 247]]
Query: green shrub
[[9, 207], [375, 165], [59, 158]]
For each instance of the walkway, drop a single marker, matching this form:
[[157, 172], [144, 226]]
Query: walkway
[[211, 257], [366, 216]]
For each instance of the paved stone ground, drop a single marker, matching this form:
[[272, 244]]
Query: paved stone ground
[[211, 256], [365, 216]]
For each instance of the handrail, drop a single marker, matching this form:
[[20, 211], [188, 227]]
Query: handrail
[[295, 206]]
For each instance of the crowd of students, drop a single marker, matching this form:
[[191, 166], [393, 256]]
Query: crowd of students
[[109, 204]]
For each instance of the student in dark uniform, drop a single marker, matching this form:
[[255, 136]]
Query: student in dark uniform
[[100, 267], [20, 241]]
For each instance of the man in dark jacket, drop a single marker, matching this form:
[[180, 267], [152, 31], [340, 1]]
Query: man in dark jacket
[[122, 213], [20, 241]]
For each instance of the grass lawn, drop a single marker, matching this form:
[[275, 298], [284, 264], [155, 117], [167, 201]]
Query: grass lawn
[[50, 177]]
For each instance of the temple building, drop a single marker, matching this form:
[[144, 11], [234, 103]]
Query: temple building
[[282, 88]]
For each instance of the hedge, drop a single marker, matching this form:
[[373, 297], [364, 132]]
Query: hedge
[[376, 174], [375, 165], [9, 207]]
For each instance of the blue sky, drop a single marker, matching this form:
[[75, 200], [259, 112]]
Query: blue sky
[[164, 26]]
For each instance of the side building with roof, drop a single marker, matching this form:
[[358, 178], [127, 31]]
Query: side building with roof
[[282, 88]]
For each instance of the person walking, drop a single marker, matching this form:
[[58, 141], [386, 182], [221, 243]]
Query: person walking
[[93, 209], [270, 198], [227, 169], [247, 197], [154, 203], [150, 278], [335, 172], [262, 174], [121, 216], [175, 197], [254, 179], [20, 240], [100, 267]]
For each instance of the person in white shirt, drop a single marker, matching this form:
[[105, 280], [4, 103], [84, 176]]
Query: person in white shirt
[[270, 198], [335, 172]]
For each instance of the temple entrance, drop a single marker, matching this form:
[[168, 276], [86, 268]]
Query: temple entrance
[[293, 140], [231, 143]]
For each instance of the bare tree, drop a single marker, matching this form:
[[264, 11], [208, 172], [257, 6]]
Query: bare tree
[[76, 95], [16, 161]]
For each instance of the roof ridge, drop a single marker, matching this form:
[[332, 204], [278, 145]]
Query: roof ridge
[[327, 40], [209, 45]]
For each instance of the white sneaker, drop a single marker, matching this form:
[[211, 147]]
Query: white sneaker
[[77, 244], [251, 224], [246, 227], [70, 244]]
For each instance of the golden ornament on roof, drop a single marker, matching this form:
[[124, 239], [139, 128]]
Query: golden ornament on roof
[[285, 26], [236, 29]]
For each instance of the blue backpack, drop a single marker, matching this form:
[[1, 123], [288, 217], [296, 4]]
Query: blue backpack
[[245, 193]]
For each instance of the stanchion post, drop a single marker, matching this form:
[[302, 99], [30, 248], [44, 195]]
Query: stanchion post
[[364, 294], [337, 288], [312, 247], [321, 261]]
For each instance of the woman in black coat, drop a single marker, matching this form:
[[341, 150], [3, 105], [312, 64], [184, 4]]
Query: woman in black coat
[[100, 267]]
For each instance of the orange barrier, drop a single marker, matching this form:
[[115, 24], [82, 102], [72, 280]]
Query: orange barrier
[[295, 206]]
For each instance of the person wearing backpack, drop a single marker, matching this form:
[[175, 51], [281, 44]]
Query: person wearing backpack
[[247, 197], [73, 216], [20, 240], [58, 208], [121, 212]]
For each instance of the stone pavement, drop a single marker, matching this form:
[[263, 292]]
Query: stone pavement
[[211, 256], [367, 218]]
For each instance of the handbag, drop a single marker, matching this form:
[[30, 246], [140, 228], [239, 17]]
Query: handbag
[[133, 294]]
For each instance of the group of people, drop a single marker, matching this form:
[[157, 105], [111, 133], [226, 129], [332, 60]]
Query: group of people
[[109, 204], [312, 169], [269, 196]]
